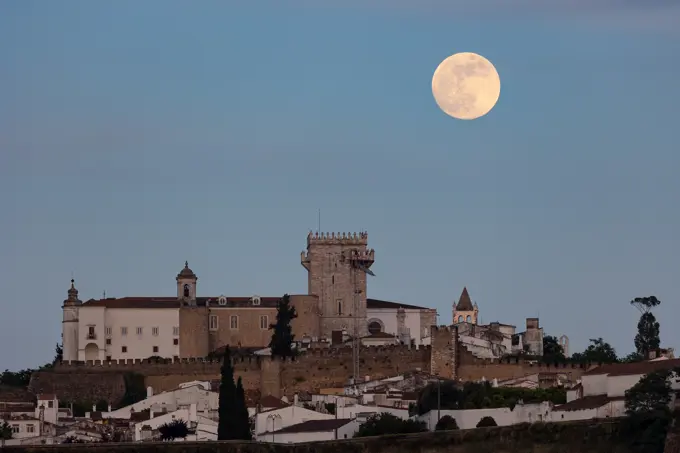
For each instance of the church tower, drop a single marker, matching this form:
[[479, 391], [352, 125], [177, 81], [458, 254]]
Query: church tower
[[337, 267], [464, 310], [69, 325], [186, 286]]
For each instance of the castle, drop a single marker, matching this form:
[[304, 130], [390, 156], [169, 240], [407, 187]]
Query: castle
[[335, 309]]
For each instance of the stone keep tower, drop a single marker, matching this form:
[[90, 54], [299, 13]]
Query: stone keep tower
[[336, 266], [69, 326]]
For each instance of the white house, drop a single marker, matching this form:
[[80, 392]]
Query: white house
[[188, 415], [206, 401], [406, 322], [601, 393], [276, 419], [312, 431], [361, 410]]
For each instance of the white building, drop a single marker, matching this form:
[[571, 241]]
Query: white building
[[113, 329], [142, 327], [601, 393], [276, 419], [312, 431]]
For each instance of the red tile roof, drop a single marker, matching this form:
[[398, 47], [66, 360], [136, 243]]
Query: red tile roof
[[377, 304], [271, 402], [627, 369], [587, 402], [315, 426]]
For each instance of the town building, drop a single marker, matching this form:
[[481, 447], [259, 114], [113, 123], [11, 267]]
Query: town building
[[188, 324]]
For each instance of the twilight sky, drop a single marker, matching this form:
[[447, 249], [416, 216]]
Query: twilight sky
[[136, 135]]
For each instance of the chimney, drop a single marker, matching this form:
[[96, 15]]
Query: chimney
[[149, 392], [109, 408], [151, 413], [192, 413], [295, 399], [94, 408]]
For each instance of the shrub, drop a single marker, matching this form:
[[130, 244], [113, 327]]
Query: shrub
[[446, 423], [486, 422]]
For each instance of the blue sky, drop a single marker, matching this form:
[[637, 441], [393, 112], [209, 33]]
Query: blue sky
[[136, 135]]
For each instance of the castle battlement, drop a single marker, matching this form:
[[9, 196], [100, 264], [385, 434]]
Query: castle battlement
[[360, 238]]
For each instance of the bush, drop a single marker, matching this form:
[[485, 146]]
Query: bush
[[177, 429], [381, 424], [486, 422], [446, 423]]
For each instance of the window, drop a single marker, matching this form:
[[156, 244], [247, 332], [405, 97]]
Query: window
[[460, 318], [90, 332], [175, 358], [332, 279], [233, 322], [175, 331], [175, 341], [124, 349], [155, 349], [187, 290], [339, 302], [374, 327], [30, 428], [15, 429], [108, 331], [140, 330], [468, 319], [108, 358], [213, 322], [123, 331], [50, 404], [108, 341], [264, 322], [154, 331]]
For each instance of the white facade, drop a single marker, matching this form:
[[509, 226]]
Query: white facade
[[468, 418], [206, 402], [188, 415], [122, 333], [277, 419], [360, 410], [387, 317]]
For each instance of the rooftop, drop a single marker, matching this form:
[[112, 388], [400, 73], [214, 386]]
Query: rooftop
[[315, 426], [627, 369]]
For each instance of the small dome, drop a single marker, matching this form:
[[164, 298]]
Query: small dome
[[186, 272]]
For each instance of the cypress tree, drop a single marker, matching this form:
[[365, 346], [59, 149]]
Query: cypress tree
[[282, 335], [242, 412], [226, 425]]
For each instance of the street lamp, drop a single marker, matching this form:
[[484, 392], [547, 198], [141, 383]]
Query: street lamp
[[273, 417]]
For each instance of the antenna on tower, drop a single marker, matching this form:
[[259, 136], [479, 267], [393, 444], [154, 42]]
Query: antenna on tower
[[319, 223], [104, 295]]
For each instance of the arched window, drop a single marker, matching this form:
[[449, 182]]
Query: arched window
[[186, 291], [374, 327], [469, 318], [460, 318]]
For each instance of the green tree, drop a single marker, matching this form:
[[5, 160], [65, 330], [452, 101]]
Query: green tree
[[176, 429], [486, 422], [381, 424], [58, 353], [647, 339], [5, 432], [552, 349], [227, 427], [632, 357], [446, 423], [648, 412], [446, 392], [243, 420], [281, 343], [598, 351]]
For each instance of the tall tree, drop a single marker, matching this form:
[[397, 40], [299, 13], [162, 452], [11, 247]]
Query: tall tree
[[599, 351], [281, 343], [242, 416], [552, 349], [226, 427], [647, 339]]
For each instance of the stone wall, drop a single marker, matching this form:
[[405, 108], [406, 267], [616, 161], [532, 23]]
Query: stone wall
[[317, 368], [573, 437]]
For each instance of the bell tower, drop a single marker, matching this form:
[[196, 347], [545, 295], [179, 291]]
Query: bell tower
[[69, 325], [337, 266], [186, 286], [465, 310]]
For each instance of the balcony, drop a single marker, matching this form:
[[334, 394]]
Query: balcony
[[91, 336]]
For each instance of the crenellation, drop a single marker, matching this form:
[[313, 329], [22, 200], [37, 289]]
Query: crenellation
[[360, 238]]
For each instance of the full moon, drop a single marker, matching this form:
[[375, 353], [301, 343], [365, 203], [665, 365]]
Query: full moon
[[466, 86]]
